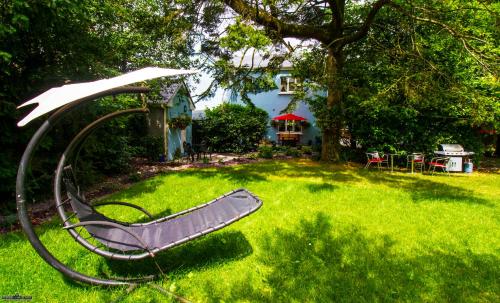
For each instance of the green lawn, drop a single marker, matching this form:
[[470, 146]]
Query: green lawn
[[325, 233]]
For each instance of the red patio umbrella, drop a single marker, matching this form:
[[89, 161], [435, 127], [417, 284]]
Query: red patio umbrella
[[289, 117]]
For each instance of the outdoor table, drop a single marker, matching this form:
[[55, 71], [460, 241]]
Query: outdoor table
[[392, 161]]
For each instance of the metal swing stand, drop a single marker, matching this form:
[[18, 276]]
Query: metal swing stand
[[121, 240]]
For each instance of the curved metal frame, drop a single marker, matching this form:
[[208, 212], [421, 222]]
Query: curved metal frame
[[22, 211], [73, 145]]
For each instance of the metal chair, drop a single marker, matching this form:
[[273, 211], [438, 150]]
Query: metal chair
[[188, 152], [439, 162], [418, 161], [202, 150], [385, 159], [374, 157]]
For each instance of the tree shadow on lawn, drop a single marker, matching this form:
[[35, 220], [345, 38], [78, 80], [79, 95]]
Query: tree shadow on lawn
[[316, 188], [239, 175], [426, 190], [244, 174], [419, 189], [207, 251], [137, 189], [310, 263], [260, 172]]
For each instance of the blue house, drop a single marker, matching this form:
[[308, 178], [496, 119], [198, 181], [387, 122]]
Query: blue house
[[170, 118], [275, 101]]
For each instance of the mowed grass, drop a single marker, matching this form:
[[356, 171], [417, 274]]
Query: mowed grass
[[325, 233]]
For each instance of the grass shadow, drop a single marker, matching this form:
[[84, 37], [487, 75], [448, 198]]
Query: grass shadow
[[240, 175], [422, 190], [260, 172], [209, 250], [137, 189], [163, 213], [315, 187], [314, 263]]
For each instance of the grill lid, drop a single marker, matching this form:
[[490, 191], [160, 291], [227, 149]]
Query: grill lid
[[451, 147]]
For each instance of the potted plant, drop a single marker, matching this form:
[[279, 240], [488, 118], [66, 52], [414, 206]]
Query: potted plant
[[181, 122]]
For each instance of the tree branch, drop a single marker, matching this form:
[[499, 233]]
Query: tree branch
[[338, 8], [270, 21], [476, 54], [363, 30]]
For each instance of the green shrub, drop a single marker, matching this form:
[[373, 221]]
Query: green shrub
[[306, 150], [354, 155], [293, 152], [253, 156], [134, 177], [233, 128], [153, 147], [280, 149], [177, 154], [402, 127], [265, 152]]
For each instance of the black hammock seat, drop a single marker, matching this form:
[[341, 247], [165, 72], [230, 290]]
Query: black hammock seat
[[166, 232]]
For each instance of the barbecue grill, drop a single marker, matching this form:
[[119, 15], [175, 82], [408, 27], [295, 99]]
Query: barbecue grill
[[456, 154]]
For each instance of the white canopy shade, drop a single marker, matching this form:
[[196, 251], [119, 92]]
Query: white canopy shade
[[59, 96]]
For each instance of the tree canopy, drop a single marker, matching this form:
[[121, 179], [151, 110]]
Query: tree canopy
[[439, 53], [47, 43]]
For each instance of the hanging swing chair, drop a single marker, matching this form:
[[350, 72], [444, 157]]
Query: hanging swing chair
[[93, 230]]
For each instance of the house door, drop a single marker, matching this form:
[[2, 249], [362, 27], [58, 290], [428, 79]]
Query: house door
[[183, 139]]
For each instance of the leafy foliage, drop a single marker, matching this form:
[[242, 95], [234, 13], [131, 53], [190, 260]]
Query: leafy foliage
[[152, 147], [265, 152], [241, 35], [49, 43], [306, 150], [234, 128], [417, 55], [416, 88], [181, 122]]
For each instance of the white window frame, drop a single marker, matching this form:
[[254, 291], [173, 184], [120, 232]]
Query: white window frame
[[289, 79], [289, 126]]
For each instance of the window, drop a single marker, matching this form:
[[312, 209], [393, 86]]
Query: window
[[288, 84], [289, 126]]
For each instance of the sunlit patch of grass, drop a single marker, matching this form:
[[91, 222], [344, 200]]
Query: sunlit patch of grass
[[325, 233]]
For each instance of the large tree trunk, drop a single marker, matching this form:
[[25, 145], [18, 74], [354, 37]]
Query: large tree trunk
[[332, 125]]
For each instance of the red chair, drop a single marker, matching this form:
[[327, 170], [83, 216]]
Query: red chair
[[375, 158], [439, 162], [418, 161]]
